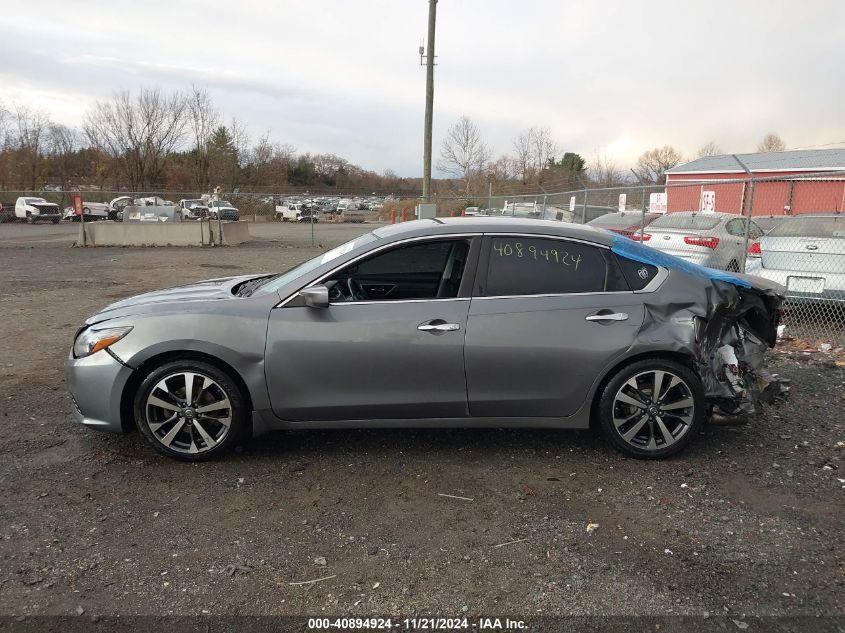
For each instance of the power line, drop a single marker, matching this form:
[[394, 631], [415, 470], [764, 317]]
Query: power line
[[820, 145]]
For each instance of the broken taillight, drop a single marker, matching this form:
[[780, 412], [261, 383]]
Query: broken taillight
[[694, 240]]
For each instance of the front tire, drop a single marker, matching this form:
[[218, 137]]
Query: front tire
[[190, 410], [652, 408]]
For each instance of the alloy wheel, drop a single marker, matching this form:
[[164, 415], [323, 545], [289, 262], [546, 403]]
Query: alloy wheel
[[188, 412], [653, 410]]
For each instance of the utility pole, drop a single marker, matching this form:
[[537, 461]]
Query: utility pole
[[429, 100]]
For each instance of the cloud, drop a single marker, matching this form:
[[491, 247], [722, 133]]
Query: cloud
[[344, 77]]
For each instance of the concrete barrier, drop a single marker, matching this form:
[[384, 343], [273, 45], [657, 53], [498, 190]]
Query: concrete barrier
[[164, 233]]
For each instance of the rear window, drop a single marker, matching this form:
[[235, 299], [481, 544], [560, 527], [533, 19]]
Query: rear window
[[832, 226], [612, 219], [695, 222], [637, 275]]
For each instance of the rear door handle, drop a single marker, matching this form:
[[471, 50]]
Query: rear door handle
[[438, 326], [614, 316]]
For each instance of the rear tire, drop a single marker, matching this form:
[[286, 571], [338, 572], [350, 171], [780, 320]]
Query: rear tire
[[643, 425], [191, 411]]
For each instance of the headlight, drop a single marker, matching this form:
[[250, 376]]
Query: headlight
[[91, 340]]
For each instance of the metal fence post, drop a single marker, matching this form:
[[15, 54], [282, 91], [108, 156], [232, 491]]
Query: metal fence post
[[642, 220], [744, 255], [584, 209]]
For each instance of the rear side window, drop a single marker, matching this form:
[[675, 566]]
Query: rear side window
[[531, 266], [637, 275]]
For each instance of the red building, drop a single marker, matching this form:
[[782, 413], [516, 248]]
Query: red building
[[794, 182]]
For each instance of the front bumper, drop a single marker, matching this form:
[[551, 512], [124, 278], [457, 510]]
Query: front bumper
[[96, 385]]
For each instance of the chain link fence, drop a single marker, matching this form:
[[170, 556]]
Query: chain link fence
[[787, 229]]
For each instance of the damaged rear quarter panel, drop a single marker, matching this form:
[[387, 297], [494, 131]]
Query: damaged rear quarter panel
[[723, 321]]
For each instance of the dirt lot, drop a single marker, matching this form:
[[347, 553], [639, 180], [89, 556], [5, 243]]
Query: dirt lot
[[747, 522]]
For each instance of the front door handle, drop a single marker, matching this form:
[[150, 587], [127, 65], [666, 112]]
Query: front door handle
[[613, 316], [438, 326]]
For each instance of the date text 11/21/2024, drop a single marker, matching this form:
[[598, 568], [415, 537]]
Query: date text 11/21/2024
[[429, 623]]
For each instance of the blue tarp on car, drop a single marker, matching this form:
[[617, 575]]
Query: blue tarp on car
[[625, 247]]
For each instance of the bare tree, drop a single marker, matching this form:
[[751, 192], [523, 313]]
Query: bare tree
[[240, 141], [771, 143], [652, 165], [203, 119], [604, 171], [523, 154], [463, 153], [63, 144], [503, 169], [30, 140], [4, 126], [138, 134], [543, 149], [269, 163], [710, 149], [5, 142]]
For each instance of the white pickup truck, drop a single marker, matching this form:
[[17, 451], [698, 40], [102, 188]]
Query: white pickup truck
[[37, 210], [294, 212]]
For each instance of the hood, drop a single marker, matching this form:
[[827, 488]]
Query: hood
[[170, 299]]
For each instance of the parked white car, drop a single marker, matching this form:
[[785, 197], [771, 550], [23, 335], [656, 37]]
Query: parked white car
[[294, 212], [36, 210], [90, 210], [806, 254]]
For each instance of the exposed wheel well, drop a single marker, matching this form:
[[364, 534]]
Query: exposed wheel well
[[127, 415], [678, 357]]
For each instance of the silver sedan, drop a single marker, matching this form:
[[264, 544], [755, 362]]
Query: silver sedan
[[715, 240], [807, 255], [477, 322]]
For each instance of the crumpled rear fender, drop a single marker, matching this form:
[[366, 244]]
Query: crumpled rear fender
[[724, 321]]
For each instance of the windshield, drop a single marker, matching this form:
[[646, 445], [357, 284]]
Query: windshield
[[276, 282], [686, 221], [829, 226], [35, 201]]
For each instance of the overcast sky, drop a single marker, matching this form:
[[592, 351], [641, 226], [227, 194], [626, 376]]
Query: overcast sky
[[343, 76]]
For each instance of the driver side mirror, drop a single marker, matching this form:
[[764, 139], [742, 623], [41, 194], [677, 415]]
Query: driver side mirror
[[315, 296]]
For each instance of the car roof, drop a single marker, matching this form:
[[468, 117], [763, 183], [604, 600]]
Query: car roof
[[719, 214], [481, 224]]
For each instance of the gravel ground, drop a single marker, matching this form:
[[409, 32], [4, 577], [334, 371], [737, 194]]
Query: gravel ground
[[748, 521]]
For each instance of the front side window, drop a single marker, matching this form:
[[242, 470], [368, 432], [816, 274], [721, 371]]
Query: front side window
[[423, 270], [533, 266]]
